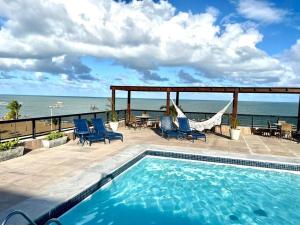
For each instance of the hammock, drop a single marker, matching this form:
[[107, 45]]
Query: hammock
[[207, 124]]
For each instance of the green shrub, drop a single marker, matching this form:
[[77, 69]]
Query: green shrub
[[114, 116], [4, 146], [54, 135], [234, 123]]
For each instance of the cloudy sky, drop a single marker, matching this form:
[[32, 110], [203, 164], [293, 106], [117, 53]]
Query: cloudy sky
[[60, 47]]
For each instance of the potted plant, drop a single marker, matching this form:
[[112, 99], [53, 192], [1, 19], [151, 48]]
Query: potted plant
[[10, 149], [173, 111], [113, 122], [54, 139], [234, 130]]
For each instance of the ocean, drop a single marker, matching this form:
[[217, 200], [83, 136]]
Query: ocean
[[36, 106]]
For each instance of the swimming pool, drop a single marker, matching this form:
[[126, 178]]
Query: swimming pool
[[160, 191]]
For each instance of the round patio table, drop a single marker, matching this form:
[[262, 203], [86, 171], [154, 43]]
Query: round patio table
[[144, 119]]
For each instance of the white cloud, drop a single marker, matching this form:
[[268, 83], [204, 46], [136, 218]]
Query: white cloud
[[291, 58], [65, 77], [40, 76], [261, 10], [52, 36]]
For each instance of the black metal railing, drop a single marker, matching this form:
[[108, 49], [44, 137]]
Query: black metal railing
[[248, 120], [38, 126]]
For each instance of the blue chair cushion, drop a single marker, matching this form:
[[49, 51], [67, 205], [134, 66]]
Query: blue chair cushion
[[101, 129]]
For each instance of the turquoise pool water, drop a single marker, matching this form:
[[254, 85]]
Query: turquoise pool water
[[162, 191]]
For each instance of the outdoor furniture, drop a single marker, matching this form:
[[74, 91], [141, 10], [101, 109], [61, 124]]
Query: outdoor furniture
[[273, 129], [144, 118], [133, 122], [296, 136], [100, 129], [269, 131], [167, 128], [266, 132], [257, 129], [154, 122], [82, 131], [186, 131], [280, 122], [286, 130]]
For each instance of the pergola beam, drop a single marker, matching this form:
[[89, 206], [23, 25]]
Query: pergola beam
[[264, 90]]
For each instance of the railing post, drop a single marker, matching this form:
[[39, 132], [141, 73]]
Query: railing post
[[79, 116], [118, 114], [228, 119], [59, 124], [33, 128], [95, 115], [107, 117]]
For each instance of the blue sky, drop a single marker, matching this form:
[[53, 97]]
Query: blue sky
[[62, 48]]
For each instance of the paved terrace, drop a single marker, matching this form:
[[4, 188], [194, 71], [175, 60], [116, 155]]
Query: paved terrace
[[41, 179]]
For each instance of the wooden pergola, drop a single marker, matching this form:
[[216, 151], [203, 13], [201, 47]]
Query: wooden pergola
[[234, 90]]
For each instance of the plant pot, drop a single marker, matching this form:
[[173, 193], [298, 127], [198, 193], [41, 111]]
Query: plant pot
[[235, 134], [55, 142], [114, 125], [13, 153]]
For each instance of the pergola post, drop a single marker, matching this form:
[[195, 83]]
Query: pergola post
[[113, 99], [298, 124], [128, 106], [177, 98], [235, 107], [168, 103]]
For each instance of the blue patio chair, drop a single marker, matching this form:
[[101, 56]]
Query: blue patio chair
[[84, 133], [78, 126], [100, 128], [185, 129], [167, 128]]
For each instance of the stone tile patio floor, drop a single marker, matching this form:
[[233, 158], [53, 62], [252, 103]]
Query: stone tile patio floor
[[27, 177]]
